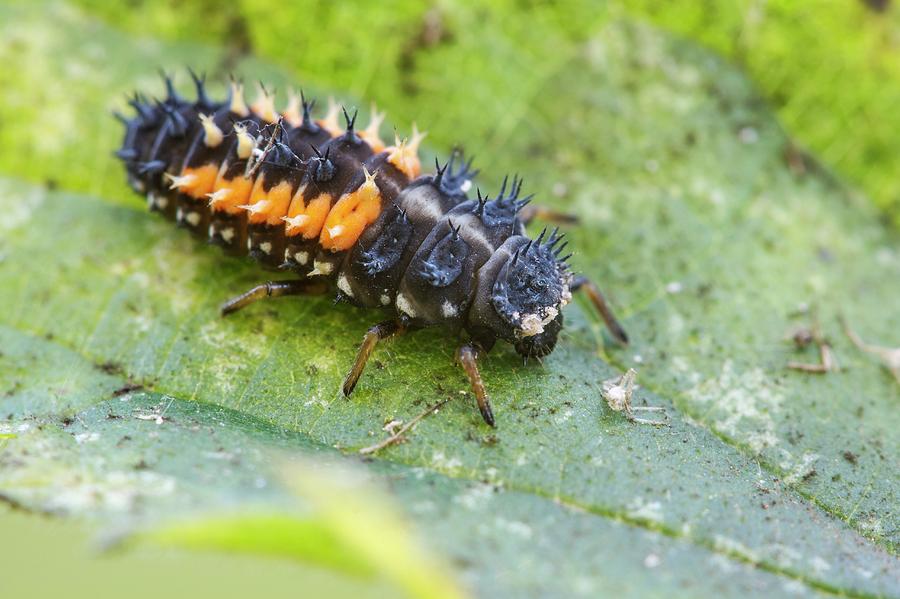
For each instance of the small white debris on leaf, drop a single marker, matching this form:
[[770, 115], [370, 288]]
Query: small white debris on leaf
[[889, 356], [618, 392], [392, 426]]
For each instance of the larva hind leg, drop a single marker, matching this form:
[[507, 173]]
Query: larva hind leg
[[544, 213], [274, 289], [581, 283], [467, 356], [379, 332]]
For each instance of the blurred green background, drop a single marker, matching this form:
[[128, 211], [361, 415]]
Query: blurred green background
[[498, 77], [831, 69]]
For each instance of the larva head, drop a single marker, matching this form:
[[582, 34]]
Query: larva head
[[528, 295]]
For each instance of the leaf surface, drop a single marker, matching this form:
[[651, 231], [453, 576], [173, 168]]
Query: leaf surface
[[692, 221]]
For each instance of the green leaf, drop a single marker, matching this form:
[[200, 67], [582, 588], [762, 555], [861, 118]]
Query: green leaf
[[351, 528], [708, 244]]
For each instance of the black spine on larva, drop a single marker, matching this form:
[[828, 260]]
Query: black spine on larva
[[433, 254]]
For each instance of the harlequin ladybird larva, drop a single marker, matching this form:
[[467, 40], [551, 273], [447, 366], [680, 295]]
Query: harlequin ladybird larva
[[347, 213]]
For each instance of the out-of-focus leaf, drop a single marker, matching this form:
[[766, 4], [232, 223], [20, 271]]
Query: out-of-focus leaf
[[708, 243], [351, 527]]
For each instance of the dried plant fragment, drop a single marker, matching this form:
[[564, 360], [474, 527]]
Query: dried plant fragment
[[889, 356], [618, 392]]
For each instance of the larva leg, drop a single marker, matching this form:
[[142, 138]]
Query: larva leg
[[467, 355], [273, 289], [379, 332], [581, 283], [531, 212]]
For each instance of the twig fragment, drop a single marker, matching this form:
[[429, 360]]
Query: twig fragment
[[803, 337], [889, 356], [398, 436]]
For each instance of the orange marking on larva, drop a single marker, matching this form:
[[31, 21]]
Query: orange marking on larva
[[351, 215], [268, 206], [404, 155], [229, 194], [330, 121], [306, 219], [370, 133], [317, 211], [293, 111], [296, 214], [264, 105], [203, 181]]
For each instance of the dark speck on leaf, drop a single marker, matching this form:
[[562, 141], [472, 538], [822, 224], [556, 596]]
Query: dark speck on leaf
[[127, 388], [110, 367], [850, 457]]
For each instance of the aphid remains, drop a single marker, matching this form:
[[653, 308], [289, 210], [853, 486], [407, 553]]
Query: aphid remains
[[346, 212]]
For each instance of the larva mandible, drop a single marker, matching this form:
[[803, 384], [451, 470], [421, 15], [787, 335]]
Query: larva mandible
[[347, 213]]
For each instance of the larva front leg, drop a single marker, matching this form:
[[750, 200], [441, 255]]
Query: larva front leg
[[379, 332], [467, 356], [582, 283]]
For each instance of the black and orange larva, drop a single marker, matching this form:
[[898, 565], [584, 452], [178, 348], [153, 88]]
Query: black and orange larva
[[347, 213]]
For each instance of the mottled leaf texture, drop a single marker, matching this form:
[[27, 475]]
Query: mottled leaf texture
[[127, 401]]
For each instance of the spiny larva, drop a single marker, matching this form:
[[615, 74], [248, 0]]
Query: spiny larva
[[348, 214]]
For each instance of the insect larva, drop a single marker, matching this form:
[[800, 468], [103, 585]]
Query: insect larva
[[345, 212]]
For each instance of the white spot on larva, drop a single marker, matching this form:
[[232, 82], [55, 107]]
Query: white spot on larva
[[266, 247], [162, 202], [321, 268], [179, 215], [404, 306], [344, 285], [227, 234], [151, 201], [179, 181], [212, 135], [533, 324], [193, 218], [301, 257], [210, 231], [448, 310], [466, 186], [385, 299]]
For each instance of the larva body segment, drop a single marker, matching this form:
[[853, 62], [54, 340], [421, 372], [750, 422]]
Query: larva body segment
[[338, 205]]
